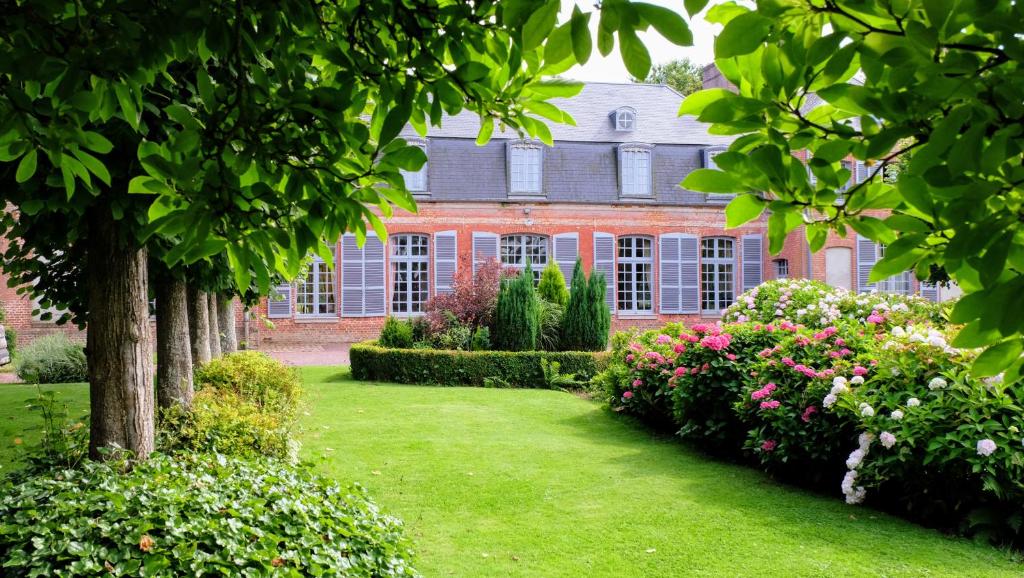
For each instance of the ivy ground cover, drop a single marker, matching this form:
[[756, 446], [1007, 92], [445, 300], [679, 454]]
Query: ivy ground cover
[[542, 483]]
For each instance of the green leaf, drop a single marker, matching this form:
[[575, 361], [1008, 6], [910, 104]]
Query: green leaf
[[393, 123], [94, 165], [693, 7], [97, 143], [972, 336], [743, 209], [713, 181], [698, 101], [486, 130], [667, 22], [582, 45], [997, 358], [742, 35], [27, 167], [559, 44], [915, 192], [539, 25], [205, 86], [128, 109], [557, 88], [634, 53], [144, 185]]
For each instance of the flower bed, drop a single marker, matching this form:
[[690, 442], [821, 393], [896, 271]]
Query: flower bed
[[876, 405], [453, 367]]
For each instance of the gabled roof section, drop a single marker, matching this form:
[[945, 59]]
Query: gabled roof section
[[657, 118]]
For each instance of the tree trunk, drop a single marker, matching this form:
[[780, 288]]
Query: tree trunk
[[214, 325], [226, 323], [118, 342], [199, 325], [173, 346]]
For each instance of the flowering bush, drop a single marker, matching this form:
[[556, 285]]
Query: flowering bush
[[817, 305], [868, 404]]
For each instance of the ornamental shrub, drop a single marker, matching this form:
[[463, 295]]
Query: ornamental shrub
[[472, 300], [574, 319], [194, 515], [481, 339], [599, 317], [549, 325], [552, 285], [515, 327], [370, 362], [52, 359], [396, 333], [254, 377]]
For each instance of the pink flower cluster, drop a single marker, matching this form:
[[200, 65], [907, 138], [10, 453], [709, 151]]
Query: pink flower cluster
[[858, 370], [663, 339], [825, 333], [811, 410], [875, 317], [716, 342], [768, 445], [841, 353], [689, 338], [764, 392], [770, 404], [638, 382]]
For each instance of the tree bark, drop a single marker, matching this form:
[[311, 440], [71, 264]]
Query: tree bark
[[199, 325], [118, 343], [173, 345], [226, 323], [214, 325]]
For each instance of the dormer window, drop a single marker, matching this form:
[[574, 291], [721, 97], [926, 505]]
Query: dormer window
[[525, 167], [625, 119], [416, 181], [635, 170]]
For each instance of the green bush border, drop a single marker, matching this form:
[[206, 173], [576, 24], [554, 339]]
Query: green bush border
[[371, 362]]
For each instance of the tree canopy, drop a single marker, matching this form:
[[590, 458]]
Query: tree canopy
[[934, 85], [682, 74]]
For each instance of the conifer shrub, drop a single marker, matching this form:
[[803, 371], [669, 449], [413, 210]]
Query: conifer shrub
[[516, 325], [552, 285], [396, 333], [574, 319], [600, 317]]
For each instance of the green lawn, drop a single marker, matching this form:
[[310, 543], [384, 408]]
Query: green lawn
[[543, 484]]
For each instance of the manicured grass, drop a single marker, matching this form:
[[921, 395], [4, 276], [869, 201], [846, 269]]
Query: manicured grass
[[21, 427], [541, 483]]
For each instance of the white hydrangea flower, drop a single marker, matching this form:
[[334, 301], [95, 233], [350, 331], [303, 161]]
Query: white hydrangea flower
[[867, 411], [857, 496], [857, 379], [839, 381], [829, 400], [897, 414], [937, 383], [856, 457], [913, 402], [887, 439], [986, 447], [898, 332], [848, 481], [895, 371], [864, 440]]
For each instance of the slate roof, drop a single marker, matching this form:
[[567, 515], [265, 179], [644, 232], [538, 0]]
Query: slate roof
[[656, 105]]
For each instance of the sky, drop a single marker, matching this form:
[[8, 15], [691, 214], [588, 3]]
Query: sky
[[611, 68]]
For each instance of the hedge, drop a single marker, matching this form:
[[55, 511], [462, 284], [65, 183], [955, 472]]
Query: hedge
[[370, 362]]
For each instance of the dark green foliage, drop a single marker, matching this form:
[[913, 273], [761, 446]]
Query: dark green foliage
[[396, 333], [371, 362], [599, 317], [12, 340], [481, 339], [52, 359], [549, 326], [194, 515], [420, 329], [552, 285], [516, 325], [574, 320], [456, 336]]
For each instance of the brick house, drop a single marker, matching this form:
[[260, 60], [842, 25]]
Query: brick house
[[607, 192]]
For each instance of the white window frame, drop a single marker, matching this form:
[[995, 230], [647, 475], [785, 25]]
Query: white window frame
[[636, 175], [403, 261], [416, 181], [900, 284], [524, 243], [318, 273], [717, 274], [630, 272], [625, 119], [781, 268], [525, 168]]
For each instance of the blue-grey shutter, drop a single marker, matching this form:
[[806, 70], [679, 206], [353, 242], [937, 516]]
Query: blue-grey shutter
[[374, 278], [485, 247], [351, 277], [446, 261], [279, 302], [567, 250], [669, 273], [867, 256], [604, 262], [930, 291], [689, 274], [862, 172], [753, 261]]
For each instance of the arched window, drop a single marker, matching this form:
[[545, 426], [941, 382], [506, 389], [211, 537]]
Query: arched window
[[410, 270], [315, 290], [717, 273], [520, 249], [625, 118], [635, 275]]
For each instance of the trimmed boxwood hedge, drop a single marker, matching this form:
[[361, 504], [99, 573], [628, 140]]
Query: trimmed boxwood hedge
[[370, 362]]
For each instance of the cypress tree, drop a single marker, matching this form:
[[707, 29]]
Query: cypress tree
[[552, 285], [574, 320], [599, 319], [516, 324]]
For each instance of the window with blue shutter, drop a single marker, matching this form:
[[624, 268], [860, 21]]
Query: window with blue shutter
[[446, 261], [279, 302], [485, 248], [753, 261], [363, 291], [867, 256], [567, 250], [604, 263]]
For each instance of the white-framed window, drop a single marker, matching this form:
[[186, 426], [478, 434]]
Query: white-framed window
[[781, 268], [717, 273], [315, 291], [416, 181], [625, 119], [410, 271], [901, 284], [525, 167], [635, 170], [518, 250], [635, 275]]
